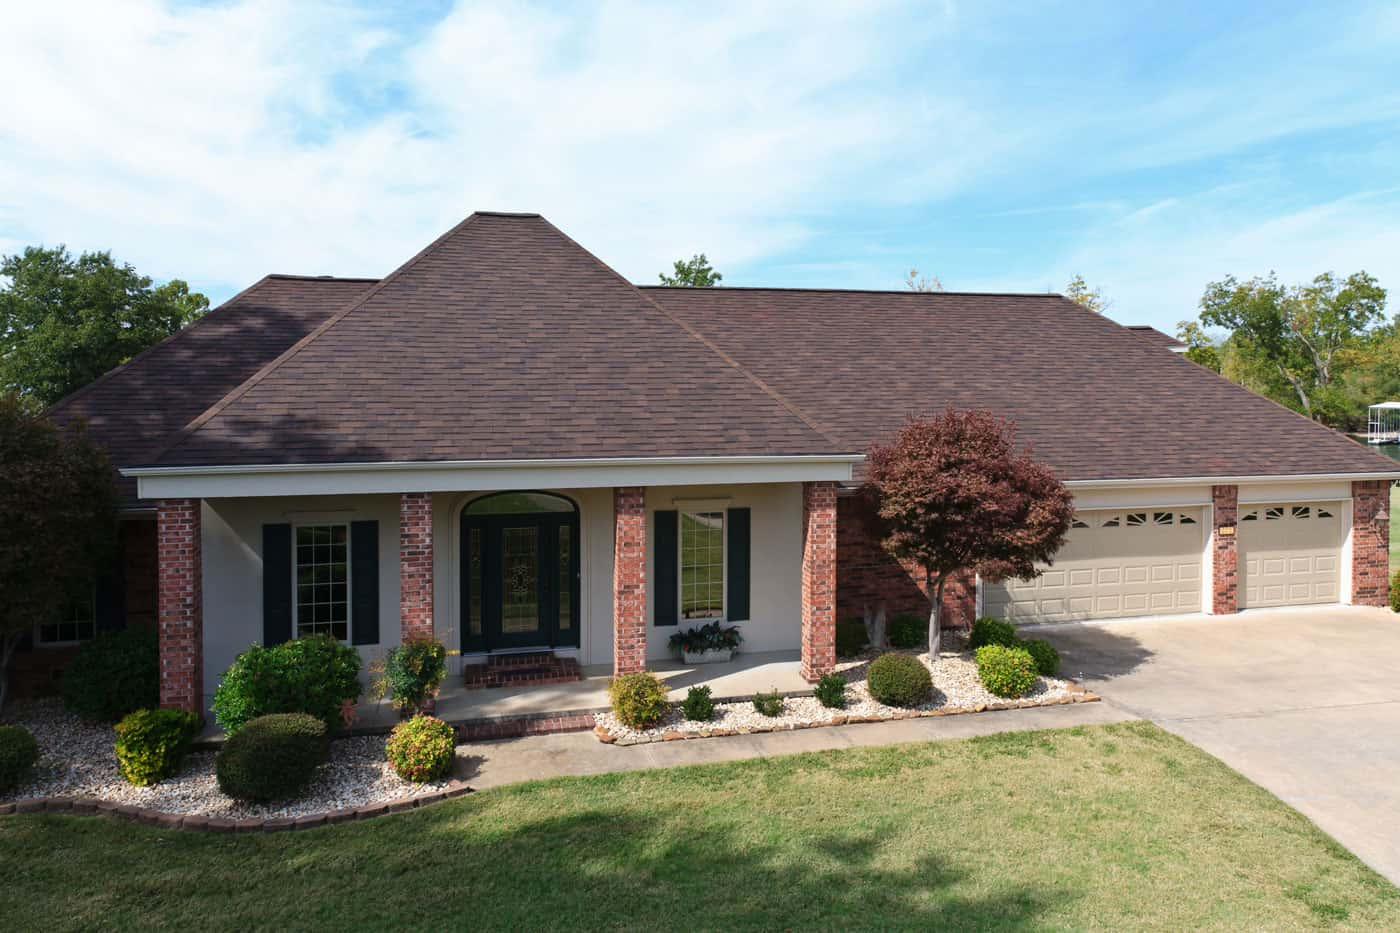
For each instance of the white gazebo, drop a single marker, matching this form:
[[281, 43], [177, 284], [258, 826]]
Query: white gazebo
[[1383, 423]]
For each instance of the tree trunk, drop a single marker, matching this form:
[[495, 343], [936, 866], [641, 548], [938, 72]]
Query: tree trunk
[[875, 627], [935, 631], [1297, 387]]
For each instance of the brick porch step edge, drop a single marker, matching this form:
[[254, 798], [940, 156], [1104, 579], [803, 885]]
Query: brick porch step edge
[[197, 823]]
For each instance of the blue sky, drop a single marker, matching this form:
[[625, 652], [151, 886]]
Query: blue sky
[[1148, 147]]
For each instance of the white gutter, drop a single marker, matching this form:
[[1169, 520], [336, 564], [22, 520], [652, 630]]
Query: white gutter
[[1228, 480]]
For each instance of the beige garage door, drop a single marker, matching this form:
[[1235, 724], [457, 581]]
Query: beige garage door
[[1115, 563], [1291, 554]]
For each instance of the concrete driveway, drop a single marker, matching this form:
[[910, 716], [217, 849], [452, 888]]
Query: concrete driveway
[[1303, 702]]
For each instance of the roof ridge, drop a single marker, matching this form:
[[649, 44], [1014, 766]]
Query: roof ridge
[[320, 278], [854, 291], [763, 386], [243, 388]]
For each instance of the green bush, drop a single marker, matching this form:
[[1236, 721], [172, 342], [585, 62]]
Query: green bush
[[18, 753], [988, 631], [422, 749], [638, 700], [114, 674], [699, 705], [831, 691], [899, 680], [318, 676], [1046, 658], [908, 631], [151, 743], [1006, 672], [1395, 592], [272, 757], [850, 638], [769, 704], [413, 672]]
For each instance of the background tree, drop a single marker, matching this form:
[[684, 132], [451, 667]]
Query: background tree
[[58, 512], [694, 272], [66, 321], [1079, 292], [922, 283], [1301, 332], [956, 495], [1201, 349]]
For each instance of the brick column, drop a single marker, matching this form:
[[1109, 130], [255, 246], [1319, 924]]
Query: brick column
[[179, 604], [818, 579], [1225, 550], [1370, 543], [629, 579], [416, 564]]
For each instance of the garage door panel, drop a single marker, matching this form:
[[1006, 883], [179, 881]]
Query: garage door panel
[[1291, 554]]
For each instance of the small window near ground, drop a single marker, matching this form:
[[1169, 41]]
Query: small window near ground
[[702, 565], [323, 581], [77, 622]]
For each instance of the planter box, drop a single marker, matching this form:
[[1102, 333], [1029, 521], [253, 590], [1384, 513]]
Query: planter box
[[712, 656]]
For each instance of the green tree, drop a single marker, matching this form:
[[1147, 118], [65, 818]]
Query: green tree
[[64, 321], [1079, 292], [1302, 332], [694, 272], [1201, 349], [922, 283], [58, 513]]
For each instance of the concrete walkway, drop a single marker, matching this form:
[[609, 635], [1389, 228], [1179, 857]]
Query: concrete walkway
[[507, 761]]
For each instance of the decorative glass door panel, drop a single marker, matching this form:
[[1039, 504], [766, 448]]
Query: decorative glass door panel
[[520, 580]]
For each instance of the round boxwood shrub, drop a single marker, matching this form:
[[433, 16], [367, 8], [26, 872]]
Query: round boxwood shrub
[[317, 676], [151, 743], [272, 757], [1006, 672], [1046, 658], [18, 753], [908, 631], [899, 680], [769, 704], [850, 637], [831, 691], [421, 749], [638, 700], [989, 631], [699, 704], [114, 674]]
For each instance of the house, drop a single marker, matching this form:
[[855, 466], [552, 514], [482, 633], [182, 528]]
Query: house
[[508, 446]]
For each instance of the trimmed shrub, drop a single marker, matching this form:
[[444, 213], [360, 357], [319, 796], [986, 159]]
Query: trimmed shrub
[[908, 631], [638, 700], [850, 637], [1006, 672], [151, 743], [989, 631], [273, 757], [317, 676], [413, 672], [899, 680], [422, 749], [18, 753], [769, 704], [699, 706], [114, 674], [831, 691], [1046, 658], [1395, 592]]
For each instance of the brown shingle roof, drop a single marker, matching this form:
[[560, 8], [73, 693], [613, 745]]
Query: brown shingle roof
[[503, 339], [1096, 399]]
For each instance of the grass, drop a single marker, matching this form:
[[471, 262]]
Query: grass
[[1110, 827]]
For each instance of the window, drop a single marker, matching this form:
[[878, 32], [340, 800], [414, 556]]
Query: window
[[1137, 518], [1251, 516], [702, 565], [1323, 513], [1161, 518], [1077, 523], [323, 581], [1273, 514], [1184, 519], [77, 622], [1301, 511]]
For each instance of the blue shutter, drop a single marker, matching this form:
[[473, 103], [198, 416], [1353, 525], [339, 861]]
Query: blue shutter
[[738, 583], [364, 583], [665, 567], [277, 584]]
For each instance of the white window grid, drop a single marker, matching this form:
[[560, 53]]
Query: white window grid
[[703, 550], [321, 577]]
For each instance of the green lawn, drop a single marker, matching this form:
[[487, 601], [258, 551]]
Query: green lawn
[[1108, 827]]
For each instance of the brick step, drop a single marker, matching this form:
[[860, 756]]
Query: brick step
[[531, 659], [538, 672]]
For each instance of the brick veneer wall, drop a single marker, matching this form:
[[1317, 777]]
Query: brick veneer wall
[[629, 579], [818, 579], [180, 604], [1370, 543], [416, 564], [1224, 550]]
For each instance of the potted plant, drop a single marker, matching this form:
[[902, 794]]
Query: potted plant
[[411, 675], [708, 643]]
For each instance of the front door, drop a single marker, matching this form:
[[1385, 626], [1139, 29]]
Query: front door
[[519, 581]]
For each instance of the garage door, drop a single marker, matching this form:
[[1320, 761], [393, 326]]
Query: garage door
[[1291, 554], [1115, 563]]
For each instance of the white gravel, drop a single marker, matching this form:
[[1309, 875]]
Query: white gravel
[[956, 686], [78, 761]]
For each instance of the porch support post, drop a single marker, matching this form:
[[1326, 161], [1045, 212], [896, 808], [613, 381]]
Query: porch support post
[[1370, 543], [179, 604], [629, 579], [416, 565], [818, 579], [1224, 549]]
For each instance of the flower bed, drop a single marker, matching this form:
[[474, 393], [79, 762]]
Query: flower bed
[[956, 689], [78, 761]]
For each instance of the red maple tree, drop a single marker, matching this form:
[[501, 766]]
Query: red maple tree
[[953, 493]]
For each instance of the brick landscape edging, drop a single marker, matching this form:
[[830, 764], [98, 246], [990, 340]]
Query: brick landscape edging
[[198, 823]]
